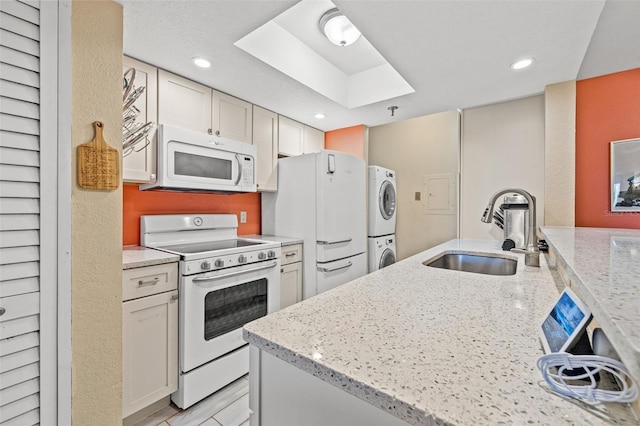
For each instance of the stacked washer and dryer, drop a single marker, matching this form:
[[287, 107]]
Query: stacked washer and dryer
[[382, 218]]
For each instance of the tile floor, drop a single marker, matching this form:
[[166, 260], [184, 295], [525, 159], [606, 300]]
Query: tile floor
[[227, 407]]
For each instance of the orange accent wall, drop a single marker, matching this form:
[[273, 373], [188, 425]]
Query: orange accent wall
[[137, 203], [349, 140], [607, 109]]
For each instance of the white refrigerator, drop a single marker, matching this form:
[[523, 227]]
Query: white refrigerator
[[321, 198]]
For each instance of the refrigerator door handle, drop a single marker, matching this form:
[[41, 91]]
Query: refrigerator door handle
[[331, 166], [335, 268], [329, 242]]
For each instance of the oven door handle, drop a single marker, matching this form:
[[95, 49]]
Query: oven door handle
[[232, 274]]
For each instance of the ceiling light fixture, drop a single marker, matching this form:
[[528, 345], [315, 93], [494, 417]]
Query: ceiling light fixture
[[201, 62], [319, 115], [522, 63], [337, 28]]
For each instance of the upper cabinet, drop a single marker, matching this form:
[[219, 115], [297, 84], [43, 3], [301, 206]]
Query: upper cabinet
[[138, 163], [265, 138], [183, 103], [290, 136], [297, 138], [313, 140], [232, 117], [187, 104]]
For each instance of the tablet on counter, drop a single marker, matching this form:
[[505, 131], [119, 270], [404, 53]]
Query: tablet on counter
[[566, 322]]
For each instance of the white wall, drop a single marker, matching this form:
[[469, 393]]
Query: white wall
[[416, 148], [503, 145]]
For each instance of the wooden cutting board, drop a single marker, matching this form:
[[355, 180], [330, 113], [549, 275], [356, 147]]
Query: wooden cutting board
[[98, 163]]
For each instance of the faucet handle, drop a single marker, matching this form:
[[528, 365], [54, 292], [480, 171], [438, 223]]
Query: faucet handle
[[531, 255]]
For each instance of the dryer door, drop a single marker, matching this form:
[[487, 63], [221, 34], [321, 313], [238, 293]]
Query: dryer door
[[387, 199], [388, 258]]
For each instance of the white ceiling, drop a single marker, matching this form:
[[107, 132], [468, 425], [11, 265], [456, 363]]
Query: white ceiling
[[454, 53]]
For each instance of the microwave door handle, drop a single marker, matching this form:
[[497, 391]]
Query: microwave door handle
[[232, 274], [239, 169]]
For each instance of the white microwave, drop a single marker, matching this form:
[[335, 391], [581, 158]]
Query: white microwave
[[192, 161]]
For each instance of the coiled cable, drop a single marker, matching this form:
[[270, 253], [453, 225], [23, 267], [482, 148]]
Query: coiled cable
[[591, 365]]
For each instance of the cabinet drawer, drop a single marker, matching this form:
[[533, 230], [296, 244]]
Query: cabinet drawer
[[141, 282], [291, 254]]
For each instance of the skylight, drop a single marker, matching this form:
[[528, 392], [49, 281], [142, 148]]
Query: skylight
[[352, 76]]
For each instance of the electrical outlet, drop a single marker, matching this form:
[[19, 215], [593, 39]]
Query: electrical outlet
[[243, 217]]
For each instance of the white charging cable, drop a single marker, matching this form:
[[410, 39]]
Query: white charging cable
[[591, 364]]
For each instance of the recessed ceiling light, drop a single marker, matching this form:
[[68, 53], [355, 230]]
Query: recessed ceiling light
[[337, 28], [319, 115], [522, 63], [201, 62]]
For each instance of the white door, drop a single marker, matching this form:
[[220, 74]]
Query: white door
[[232, 117], [29, 392], [290, 136], [332, 274], [313, 140], [183, 103], [341, 223]]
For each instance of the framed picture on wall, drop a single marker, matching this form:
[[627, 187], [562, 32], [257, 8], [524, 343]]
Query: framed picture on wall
[[625, 175]]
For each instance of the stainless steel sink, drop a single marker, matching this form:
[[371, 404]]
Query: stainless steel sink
[[476, 263]]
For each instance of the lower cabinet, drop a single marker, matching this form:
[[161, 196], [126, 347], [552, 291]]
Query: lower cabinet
[[291, 275], [150, 336]]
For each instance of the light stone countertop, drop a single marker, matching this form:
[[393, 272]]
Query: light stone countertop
[[137, 257], [604, 266], [433, 346], [284, 241]]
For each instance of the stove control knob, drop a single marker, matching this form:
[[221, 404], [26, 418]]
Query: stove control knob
[[219, 263], [262, 255], [205, 266], [271, 254], [242, 259]]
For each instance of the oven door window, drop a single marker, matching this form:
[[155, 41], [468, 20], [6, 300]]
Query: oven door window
[[230, 308]]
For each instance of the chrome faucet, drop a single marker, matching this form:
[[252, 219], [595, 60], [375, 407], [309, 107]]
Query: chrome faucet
[[532, 253]]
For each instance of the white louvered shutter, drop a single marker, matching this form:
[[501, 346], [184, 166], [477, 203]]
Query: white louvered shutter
[[19, 212]]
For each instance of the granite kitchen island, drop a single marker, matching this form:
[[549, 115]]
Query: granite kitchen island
[[415, 344]]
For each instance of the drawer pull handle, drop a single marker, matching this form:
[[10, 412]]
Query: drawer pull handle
[[150, 282], [2, 311], [174, 297], [289, 254]]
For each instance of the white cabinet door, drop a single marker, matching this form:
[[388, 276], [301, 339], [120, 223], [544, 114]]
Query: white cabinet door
[[290, 136], [232, 117], [138, 164], [149, 350], [183, 103], [290, 284], [265, 138], [313, 140]]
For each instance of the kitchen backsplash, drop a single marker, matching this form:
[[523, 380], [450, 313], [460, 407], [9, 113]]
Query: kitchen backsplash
[[136, 203]]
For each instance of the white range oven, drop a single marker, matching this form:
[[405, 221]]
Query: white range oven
[[225, 282]]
